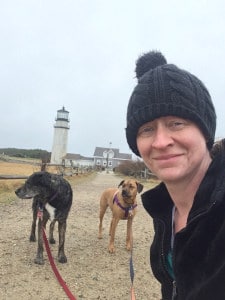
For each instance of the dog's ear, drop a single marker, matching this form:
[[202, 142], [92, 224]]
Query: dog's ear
[[121, 183], [139, 187]]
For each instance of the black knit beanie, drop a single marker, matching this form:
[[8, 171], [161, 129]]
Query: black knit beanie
[[165, 90]]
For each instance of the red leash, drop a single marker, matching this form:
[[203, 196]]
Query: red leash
[[51, 260], [57, 274]]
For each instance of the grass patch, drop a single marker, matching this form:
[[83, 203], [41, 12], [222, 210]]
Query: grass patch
[[7, 190], [8, 186]]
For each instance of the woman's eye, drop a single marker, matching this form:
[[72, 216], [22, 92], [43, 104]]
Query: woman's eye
[[177, 124], [146, 131]]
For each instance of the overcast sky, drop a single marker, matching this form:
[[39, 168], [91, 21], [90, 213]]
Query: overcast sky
[[81, 54]]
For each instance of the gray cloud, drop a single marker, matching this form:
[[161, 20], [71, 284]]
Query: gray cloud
[[81, 54]]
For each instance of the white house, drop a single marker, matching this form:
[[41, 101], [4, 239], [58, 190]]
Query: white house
[[102, 158]]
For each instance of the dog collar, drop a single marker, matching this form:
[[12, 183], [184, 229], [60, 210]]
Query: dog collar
[[126, 209]]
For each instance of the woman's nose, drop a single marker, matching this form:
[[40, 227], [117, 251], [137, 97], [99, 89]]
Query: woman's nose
[[162, 138]]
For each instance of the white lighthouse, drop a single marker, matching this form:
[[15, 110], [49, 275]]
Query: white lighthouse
[[59, 148]]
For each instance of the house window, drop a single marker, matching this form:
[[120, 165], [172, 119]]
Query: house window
[[98, 162], [110, 163]]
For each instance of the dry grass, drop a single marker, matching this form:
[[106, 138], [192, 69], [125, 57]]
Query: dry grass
[[13, 168], [8, 186]]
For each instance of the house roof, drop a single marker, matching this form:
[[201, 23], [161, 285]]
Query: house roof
[[125, 156], [76, 157], [99, 153]]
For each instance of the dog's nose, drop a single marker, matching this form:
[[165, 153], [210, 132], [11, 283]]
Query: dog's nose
[[17, 191], [125, 193]]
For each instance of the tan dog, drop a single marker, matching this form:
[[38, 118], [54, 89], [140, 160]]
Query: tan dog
[[123, 205]]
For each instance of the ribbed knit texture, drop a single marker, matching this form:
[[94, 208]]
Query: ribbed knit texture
[[167, 90]]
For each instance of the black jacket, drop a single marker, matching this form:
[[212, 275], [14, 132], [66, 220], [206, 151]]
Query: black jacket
[[199, 248]]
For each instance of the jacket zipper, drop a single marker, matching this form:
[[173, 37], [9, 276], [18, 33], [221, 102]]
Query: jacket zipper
[[174, 293], [174, 290]]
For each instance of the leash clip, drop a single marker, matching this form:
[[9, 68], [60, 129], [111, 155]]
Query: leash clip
[[130, 211], [40, 213]]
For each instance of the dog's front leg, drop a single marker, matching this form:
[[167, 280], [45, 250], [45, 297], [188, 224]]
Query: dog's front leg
[[39, 258], [129, 233], [33, 226], [51, 231], [62, 232], [103, 207], [113, 226], [101, 215]]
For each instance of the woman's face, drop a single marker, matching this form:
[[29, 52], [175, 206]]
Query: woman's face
[[173, 148]]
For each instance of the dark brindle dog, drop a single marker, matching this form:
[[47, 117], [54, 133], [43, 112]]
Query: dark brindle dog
[[52, 194]]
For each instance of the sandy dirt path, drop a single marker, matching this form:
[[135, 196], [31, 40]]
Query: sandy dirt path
[[91, 272]]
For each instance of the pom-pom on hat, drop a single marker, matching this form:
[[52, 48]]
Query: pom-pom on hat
[[166, 90]]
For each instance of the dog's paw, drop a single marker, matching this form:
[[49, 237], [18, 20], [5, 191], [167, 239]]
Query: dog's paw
[[111, 249], [52, 241], [39, 261], [32, 238], [128, 247], [62, 259]]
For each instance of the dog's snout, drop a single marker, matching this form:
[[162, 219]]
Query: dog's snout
[[125, 193], [17, 191]]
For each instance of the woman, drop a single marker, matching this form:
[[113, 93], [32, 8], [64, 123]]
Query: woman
[[171, 124]]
